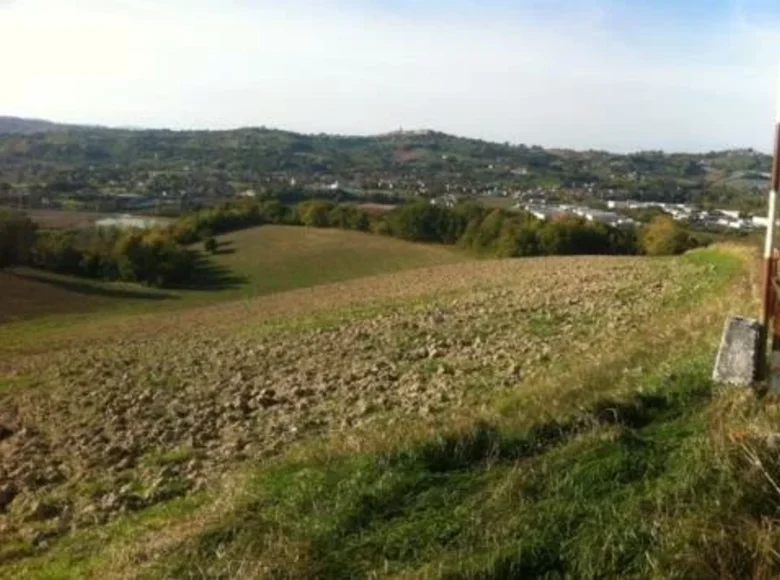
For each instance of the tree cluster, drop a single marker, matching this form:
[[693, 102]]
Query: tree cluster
[[100, 163], [160, 256], [473, 227], [17, 235], [227, 217], [151, 257], [506, 234], [665, 237]]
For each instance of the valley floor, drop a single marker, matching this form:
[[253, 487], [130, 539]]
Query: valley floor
[[518, 418]]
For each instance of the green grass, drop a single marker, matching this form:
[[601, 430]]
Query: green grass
[[278, 258], [599, 495], [8, 384], [724, 265], [629, 481], [83, 553], [251, 263], [640, 468], [544, 323], [633, 480]]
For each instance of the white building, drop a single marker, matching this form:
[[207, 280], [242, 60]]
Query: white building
[[545, 212], [760, 222], [730, 213], [129, 221]]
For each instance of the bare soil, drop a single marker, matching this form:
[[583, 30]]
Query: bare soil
[[139, 413]]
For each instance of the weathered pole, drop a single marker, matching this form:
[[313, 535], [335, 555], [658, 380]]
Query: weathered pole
[[771, 324]]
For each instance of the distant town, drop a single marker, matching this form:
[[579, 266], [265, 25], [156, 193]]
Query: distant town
[[165, 174], [616, 213]]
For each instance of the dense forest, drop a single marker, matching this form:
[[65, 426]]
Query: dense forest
[[50, 161]]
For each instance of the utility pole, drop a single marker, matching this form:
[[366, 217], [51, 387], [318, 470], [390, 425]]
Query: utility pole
[[771, 312]]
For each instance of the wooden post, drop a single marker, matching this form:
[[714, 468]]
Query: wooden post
[[771, 314]]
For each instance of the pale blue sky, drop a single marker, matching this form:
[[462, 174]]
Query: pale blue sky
[[612, 74]]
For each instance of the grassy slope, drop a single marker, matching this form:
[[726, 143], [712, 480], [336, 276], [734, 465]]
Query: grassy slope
[[252, 262], [55, 219], [30, 294], [625, 461], [278, 258], [634, 473]]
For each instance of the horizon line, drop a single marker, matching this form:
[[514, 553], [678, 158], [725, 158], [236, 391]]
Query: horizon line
[[399, 131]]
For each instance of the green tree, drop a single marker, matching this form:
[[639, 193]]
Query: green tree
[[315, 213], [664, 237], [17, 235], [506, 244], [211, 245], [56, 251], [489, 230]]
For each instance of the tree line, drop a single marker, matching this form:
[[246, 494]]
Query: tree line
[[165, 256], [151, 257], [473, 227]]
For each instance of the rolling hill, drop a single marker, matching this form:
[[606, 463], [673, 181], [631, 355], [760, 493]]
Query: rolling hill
[[249, 263], [81, 163], [20, 126], [504, 418], [278, 258]]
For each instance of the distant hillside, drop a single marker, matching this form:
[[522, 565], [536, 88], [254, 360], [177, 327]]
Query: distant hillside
[[80, 162], [428, 423], [16, 126]]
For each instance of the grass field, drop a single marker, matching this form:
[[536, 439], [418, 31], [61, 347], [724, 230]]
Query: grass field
[[277, 258], [520, 418], [498, 202], [62, 219], [28, 294], [250, 263]]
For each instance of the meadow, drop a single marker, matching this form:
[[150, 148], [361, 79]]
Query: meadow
[[61, 219], [249, 263], [541, 417]]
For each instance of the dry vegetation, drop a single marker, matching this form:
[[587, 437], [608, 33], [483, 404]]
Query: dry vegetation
[[142, 411]]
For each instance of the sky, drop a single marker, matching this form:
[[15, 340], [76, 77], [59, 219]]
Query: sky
[[621, 75]]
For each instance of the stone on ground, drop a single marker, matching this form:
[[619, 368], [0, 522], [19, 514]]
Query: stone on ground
[[737, 362]]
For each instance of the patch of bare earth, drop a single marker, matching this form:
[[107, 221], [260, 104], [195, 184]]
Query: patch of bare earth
[[137, 419], [363, 292], [22, 297]]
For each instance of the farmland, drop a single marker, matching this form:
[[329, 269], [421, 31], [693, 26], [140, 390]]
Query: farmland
[[61, 219], [31, 294], [249, 263], [382, 425], [277, 258]]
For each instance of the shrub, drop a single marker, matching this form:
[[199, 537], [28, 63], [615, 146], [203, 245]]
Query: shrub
[[664, 237], [17, 235], [152, 257], [211, 245], [315, 213], [421, 222]]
